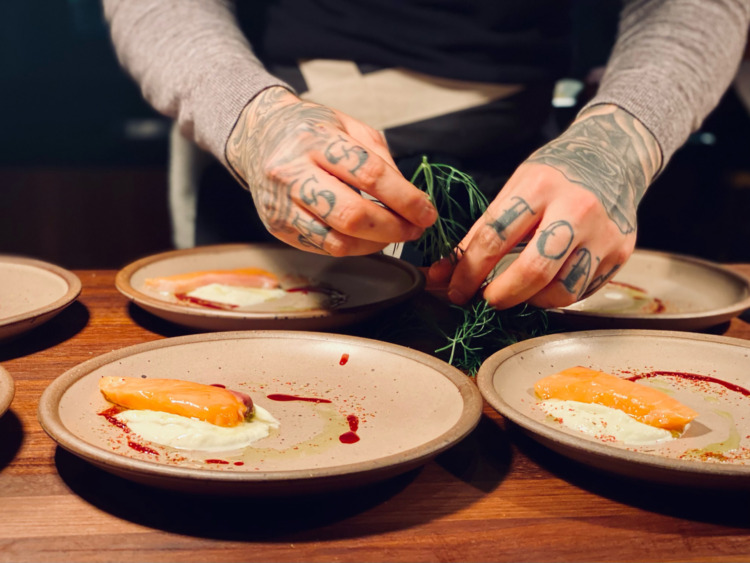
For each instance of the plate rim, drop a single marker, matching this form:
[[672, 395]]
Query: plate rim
[[73, 281], [722, 313], [49, 419], [485, 378], [6, 396], [123, 285]]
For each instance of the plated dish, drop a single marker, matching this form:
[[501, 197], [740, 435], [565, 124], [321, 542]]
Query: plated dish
[[707, 373], [307, 291], [662, 291], [350, 411], [32, 292], [7, 390]]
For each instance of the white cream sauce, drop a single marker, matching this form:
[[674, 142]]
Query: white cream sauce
[[236, 295], [605, 423], [192, 434]]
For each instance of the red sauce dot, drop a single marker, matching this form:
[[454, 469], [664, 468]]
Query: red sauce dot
[[344, 359], [348, 438]]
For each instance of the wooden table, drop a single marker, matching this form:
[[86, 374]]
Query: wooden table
[[496, 496]]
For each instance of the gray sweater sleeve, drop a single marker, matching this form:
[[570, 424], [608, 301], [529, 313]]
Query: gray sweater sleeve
[[672, 61], [191, 61]]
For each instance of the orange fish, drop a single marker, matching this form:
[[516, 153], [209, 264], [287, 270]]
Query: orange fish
[[242, 277], [186, 398], [645, 404]]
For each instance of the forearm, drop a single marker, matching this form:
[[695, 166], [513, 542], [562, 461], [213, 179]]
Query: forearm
[[671, 63], [191, 61]]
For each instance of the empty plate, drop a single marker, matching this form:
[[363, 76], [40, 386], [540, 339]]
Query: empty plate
[[710, 374], [32, 292], [7, 390], [364, 286], [351, 411]]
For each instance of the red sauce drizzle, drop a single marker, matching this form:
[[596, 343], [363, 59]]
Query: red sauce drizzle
[[204, 302], [109, 415], [219, 461], [282, 397], [351, 436], [239, 463], [141, 448], [660, 307], [629, 286], [218, 385], [344, 359], [693, 377]]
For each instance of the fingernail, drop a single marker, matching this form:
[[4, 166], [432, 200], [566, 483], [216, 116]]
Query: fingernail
[[427, 216], [456, 296]]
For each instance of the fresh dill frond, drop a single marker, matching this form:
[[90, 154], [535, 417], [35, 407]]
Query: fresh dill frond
[[459, 202], [478, 330]]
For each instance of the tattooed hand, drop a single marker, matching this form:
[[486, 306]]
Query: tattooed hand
[[301, 160], [575, 201]]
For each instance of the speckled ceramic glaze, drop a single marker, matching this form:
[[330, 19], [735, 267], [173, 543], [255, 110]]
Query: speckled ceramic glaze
[[403, 406], [688, 294], [699, 457], [7, 390], [32, 292], [370, 284]]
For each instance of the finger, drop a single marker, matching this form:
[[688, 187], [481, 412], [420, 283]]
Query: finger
[[338, 206], [570, 282], [307, 233], [361, 168], [504, 223]]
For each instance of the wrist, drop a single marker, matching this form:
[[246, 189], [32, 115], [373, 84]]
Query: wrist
[[236, 146]]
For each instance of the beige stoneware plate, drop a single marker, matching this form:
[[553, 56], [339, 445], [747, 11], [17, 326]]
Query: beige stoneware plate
[[658, 290], [405, 407], [700, 457], [7, 390], [32, 292], [370, 284]]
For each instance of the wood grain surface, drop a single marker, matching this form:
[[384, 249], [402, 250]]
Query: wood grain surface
[[496, 496]]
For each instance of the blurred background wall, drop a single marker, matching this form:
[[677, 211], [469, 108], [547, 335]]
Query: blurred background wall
[[83, 179]]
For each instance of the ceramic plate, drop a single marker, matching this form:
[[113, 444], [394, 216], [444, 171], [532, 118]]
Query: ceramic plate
[[713, 451], [32, 292], [368, 284], [657, 290], [404, 406], [7, 389]]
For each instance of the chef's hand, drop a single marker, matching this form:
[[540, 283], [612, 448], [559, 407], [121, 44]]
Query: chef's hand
[[574, 201], [301, 161]]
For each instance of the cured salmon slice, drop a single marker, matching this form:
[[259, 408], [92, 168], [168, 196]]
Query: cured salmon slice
[[184, 283], [645, 404], [210, 403]]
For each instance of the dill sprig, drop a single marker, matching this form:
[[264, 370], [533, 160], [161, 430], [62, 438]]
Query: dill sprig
[[459, 203], [478, 330]]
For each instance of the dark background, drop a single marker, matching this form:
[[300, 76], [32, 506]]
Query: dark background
[[83, 180]]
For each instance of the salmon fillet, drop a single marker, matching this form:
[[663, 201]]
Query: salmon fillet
[[212, 404], [184, 283], [645, 404]]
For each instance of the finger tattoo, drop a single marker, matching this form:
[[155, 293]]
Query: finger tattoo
[[599, 281], [342, 150], [576, 279], [322, 201], [555, 240], [311, 233], [510, 215]]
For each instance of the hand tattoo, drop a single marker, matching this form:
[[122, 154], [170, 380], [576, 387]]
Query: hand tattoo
[[510, 215], [609, 153], [268, 149]]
